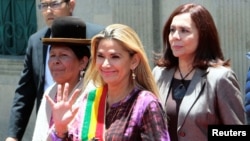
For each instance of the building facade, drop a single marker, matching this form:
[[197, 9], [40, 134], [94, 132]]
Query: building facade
[[147, 17]]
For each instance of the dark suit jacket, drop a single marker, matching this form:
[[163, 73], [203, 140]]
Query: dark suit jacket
[[31, 83], [213, 97]]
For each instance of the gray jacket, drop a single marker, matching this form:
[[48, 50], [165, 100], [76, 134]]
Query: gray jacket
[[213, 97]]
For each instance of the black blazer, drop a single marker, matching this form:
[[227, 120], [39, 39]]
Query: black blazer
[[31, 84]]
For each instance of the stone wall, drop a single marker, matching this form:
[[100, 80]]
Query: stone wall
[[10, 70]]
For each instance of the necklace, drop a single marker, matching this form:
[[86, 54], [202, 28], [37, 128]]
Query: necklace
[[183, 78], [180, 90]]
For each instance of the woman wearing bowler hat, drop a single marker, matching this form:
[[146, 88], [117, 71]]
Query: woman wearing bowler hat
[[68, 59]]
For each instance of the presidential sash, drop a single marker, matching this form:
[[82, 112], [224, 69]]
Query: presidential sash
[[93, 126]]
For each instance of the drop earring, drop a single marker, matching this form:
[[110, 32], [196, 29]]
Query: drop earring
[[82, 73], [133, 75]]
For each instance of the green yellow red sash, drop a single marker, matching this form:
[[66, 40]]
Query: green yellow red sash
[[93, 126]]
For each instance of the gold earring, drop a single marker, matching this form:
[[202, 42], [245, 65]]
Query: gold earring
[[133, 75]]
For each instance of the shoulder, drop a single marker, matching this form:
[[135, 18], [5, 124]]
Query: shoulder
[[51, 90], [157, 71], [40, 33], [248, 74], [222, 77], [93, 29], [247, 88], [147, 101], [92, 92], [163, 74], [145, 97], [90, 86], [220, 71], [35, 38]]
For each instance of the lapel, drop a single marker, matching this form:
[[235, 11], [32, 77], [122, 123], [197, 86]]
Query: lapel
[[194, 90], [41, 51], [165, 81], [45, 47]]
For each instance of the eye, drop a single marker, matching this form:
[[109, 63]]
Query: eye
[[172, 30], [52, 55], [115, 56], [64, 55], [55, 4], [99, 55], [43, 5], [184, 30]]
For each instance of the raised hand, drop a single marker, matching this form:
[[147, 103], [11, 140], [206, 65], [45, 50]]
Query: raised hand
[[63, 110]]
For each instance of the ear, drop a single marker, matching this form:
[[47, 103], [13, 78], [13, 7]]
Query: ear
[[72, 5], [84, 62], [135, 61]]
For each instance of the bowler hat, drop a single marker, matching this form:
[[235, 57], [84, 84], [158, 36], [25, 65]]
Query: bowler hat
[[68, 30]]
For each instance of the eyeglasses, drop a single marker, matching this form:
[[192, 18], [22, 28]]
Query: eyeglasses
[[53, 5]]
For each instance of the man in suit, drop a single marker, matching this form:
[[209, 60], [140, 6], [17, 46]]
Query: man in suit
[[36, 77]]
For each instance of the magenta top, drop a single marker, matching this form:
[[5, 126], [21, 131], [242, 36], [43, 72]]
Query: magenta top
[[137, 117]]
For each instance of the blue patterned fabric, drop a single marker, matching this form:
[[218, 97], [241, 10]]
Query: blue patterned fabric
[[247, 91]]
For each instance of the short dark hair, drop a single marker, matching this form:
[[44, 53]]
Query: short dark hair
[[80, 52]]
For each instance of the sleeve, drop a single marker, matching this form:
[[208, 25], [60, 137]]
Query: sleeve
[[54, 137], [247, 96], [154, 123], [229, 99], [155, 73], [24, 99]]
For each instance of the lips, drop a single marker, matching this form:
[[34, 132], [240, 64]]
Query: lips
[[56, 70], [177, 46], [50, 18], [107, 72]]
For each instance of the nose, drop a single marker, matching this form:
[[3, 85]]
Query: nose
[[176, 35], [49, 9], [106, 63], [54, 60]]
